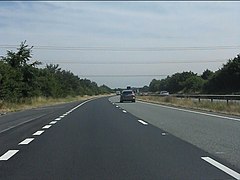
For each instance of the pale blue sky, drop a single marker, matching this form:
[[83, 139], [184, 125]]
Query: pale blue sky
[[127, 25]]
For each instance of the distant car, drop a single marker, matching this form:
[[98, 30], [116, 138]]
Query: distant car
[[164, 93], [118, 92], [127, 95]]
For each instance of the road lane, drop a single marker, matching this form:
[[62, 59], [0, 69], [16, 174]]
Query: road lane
[[15, 119], [218, 136], [99, 141], [27, 122]]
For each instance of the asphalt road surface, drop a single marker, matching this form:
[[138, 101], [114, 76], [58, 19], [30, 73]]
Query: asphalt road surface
[[214, 133], [98, 139]]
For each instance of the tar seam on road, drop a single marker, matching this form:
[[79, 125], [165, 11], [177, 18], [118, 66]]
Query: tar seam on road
[[22, 123], [222, 167]]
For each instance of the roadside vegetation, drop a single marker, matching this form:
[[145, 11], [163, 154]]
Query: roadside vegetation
[[23, 83], [226, 80], [223, 81], [220, 107], [40, 102]]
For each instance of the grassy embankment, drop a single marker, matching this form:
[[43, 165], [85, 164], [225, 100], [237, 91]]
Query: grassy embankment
[[40, 102], [220, 107]]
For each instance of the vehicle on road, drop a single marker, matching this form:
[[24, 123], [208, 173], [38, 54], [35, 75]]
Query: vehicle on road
[[127, 95], [118, 93], [164, 93]]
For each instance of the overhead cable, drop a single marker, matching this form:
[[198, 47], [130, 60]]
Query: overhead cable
[[89, 48]]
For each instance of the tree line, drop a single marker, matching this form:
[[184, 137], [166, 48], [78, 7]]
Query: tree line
[[20, 79], [226, 80]]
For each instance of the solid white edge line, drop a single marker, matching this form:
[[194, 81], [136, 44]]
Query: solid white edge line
[[190, 111], [8, 155], [142, 122], [38, 133], [60, 117], [80, 105], [26, 141], [222, 167]]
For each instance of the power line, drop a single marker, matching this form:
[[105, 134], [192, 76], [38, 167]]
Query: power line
[[124, 75], [88, 48], [135, 63]]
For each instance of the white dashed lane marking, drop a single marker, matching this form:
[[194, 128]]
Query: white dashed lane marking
[[222, 167], [142, 122], [26, 141], [38, 133], [53, 122], [47, 126], [124, 111], [8, 155], [11, 153]]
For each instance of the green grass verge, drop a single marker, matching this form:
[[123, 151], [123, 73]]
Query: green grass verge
[[220, 107]]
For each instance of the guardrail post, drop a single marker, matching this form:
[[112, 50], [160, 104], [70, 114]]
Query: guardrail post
[[199, 99], [227, 101], [211, 99]]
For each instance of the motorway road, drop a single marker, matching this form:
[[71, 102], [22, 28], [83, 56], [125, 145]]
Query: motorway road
[[214, 133], [98, 139]]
